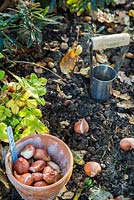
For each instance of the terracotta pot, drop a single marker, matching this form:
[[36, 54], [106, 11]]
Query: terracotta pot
[[59, 153]]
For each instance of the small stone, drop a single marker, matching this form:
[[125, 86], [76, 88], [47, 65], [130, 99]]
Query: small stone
[[129, 55], [125, 177], [55, 70], [51, 65], [110, 30], [48, 59], [68, 195], [87, 19], [64, 46]]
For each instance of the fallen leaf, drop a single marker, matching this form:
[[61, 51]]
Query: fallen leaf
[[124, 115], [79, 157], [105, 17], [117, 2], [3, 179], [126, 104], [69, 60], [101, 58], [121, 75], [78, 50], [85, 72], [61, 94], [131, 119], [98, 193], [117, 94]]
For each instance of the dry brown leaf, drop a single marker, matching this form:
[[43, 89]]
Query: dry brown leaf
[[124, 115], [117, 94], [131, 119], [69, 60], [61, 94], [105, 17], [126, 104], [101, 58], [85, 72], [123, 78], [4, 179]]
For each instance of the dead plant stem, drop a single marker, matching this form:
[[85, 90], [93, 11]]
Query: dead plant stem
[[37, 65]]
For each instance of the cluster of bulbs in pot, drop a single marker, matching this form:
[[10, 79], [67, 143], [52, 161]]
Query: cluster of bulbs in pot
[[34, 167]]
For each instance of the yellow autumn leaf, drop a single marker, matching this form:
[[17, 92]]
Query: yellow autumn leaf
[[131, 13], [69, 60]]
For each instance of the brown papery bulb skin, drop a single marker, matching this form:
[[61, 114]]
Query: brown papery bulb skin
[[40, 184], [127, 144], [92, 168], [41, 154], [37, 166], [26, 178], [50, 175], [21, 165], [28, 151], [37, 176], [81, 126]]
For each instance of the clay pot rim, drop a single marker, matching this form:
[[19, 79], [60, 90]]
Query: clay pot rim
[[14, 180]]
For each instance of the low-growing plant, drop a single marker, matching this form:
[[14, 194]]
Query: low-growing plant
[[79, 6], [19, 101], [24, 23]]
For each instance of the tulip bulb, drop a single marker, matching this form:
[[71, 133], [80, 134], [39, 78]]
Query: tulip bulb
[[37, 176], [28, 151], [81, 126], [21, 165], [41, 154], [40, 184], [92, 168], [54, 166], [26, 178], [127, 144], [37, 166], [50, 175]]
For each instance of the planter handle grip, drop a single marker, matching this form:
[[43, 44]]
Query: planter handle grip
[[110, 41]]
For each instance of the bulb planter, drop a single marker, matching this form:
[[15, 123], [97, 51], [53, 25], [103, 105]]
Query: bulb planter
[[59, 153]]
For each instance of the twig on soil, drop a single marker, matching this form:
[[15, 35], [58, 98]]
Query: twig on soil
[[37, 65]]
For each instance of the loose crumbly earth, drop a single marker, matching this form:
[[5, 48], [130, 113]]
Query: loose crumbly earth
[[105, 119]]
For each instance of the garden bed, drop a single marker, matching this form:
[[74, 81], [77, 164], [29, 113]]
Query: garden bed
[[68, 100]]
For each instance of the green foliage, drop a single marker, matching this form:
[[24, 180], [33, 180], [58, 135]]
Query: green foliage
[[88, 183], [79, 6], [19, 102], [28, 19]]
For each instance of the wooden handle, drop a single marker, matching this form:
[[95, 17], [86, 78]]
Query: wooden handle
[[110, 41]]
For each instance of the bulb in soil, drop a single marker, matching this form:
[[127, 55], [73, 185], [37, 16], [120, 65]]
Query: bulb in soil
[[92, 168], [81, 126], [127, 144]]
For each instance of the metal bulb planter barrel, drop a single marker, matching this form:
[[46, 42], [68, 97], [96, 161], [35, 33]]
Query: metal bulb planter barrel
[[102, 76]]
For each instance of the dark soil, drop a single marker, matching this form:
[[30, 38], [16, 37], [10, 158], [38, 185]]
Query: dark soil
[[106, 130]]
